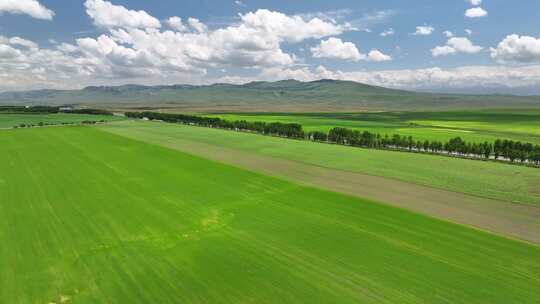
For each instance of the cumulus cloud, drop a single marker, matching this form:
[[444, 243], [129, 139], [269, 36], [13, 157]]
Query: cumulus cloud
[[67, 48], [197, 25], [337, 49], [462, 77], [388, 32], [27, 65], [448, 34], [107, 15], [424, 30], [291, 28], [419, 79], [434, 78], [518, 49], [476, 12], [29, 7], [378, 56], [23, 42], [8, 52], [475, 2], [456, 45], [135, 47], [176, 24]]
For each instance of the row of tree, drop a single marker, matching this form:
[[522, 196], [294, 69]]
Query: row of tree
[[31, 110], [51, 110], [289, 130], [51, 123], [500, 150]]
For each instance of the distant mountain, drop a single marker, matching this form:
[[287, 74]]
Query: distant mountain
[[286, 95]]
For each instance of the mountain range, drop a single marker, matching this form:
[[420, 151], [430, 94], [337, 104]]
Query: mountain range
[[286, 95]]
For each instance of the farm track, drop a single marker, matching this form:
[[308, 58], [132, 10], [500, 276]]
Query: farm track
[[512, 220]]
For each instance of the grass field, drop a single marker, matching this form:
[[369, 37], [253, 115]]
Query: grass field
[[486, 179], [109, 219], [11, 120], [477, 126]]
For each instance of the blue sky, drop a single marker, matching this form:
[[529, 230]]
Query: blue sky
[[71, 44]]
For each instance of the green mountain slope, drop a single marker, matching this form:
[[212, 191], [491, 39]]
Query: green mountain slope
[[286, 95]]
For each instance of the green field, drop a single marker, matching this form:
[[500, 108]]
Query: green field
[[487, 179], [477, 126], [92, 217], [11, 120]]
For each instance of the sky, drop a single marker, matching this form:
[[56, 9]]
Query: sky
[[429, 45]]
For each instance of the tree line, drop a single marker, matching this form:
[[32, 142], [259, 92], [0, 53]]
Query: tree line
[[51, 110], [63, 123], [31, 110], [289, 130], [508, 150]]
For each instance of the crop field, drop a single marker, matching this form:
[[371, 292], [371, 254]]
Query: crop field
[[110, 219], [476, 126], [515, 184], [11, 120]]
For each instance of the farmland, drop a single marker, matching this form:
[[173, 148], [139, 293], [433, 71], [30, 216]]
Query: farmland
[[269, 152], [475, 126], [486, 179], [139, 223]]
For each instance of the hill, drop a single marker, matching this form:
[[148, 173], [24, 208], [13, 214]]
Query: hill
[[286, 95]]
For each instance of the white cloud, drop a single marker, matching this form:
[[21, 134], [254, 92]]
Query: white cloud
[[135, 48], [462, 77], [67, 48], [433, 78], [197, 25], [388, 32], [418, 79], [337, 49], [448, 34], [139, 50], [291, 28], [176, 24], [26, 65], [519, 49], [29, 7], [475, 2], [468, 32], [8, 52], [456, 45], [107, 15], [239, 3], [476, 12], [105, 61], [23, 42], [424, 30], [378, 56]]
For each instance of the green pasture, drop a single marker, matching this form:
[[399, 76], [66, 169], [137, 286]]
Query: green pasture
[[499, 181], [476, 126], [92, 217]]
